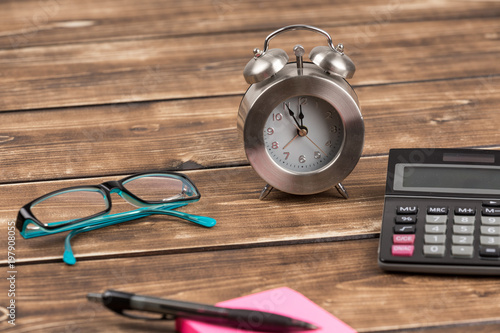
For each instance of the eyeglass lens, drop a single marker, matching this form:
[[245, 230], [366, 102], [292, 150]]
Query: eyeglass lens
[[70, 205], [160, 188]]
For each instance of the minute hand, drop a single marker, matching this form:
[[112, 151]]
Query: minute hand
[[290, 112]]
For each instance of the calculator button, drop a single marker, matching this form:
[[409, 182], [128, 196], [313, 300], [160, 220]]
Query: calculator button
[[437, 210], [491, 211], [491, 203], [404, 229], [462, 240], [436, 219], [464, 219], [489, 251], [489, 220], [465, 211], [434, 250], [402, 250], [489, 240], [463, 229], [407, 210], [403, 239], [434, 239], [462, 251], [406, 219], [435, 229], [490, 231]]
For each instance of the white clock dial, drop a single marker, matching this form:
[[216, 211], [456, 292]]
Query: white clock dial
[[303, 134]]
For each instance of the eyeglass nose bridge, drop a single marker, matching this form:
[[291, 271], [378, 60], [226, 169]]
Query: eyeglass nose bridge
[[113, 186]]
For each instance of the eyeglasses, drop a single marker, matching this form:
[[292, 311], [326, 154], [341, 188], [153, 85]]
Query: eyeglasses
[[85, 208]]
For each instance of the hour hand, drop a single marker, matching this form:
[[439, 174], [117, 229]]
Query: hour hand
[[290, 112], [301, 116]]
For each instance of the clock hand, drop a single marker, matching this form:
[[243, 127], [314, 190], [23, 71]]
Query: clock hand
[[316, 145], [301, 116], [295, 137], [301, 130], [290, 112]]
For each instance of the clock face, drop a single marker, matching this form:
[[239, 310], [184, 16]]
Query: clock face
[[303, 134]]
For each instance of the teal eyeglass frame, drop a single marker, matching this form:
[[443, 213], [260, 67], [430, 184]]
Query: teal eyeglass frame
[[29, 226]]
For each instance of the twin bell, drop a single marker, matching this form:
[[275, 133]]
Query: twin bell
[[268, 62]]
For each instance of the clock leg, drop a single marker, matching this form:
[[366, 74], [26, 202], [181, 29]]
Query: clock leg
[[342, 190], [265, 191]]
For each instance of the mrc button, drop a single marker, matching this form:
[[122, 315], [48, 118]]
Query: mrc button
[[433, 210]]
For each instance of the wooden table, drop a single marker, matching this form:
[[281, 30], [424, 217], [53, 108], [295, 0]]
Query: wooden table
[[92, 91]]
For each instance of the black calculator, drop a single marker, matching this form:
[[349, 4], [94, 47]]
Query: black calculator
[[442, 212]]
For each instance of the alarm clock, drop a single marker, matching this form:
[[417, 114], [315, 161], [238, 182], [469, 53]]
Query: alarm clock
[[300, 121]]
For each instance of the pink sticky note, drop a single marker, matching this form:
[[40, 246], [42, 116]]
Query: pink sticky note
[[283, 301]]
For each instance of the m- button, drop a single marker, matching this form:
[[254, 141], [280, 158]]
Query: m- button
[[491, 211]]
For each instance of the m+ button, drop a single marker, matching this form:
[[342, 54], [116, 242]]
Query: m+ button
[[465, 211]]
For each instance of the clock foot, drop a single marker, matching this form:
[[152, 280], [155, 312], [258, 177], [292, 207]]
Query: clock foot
[[265, 191], [341, 189]]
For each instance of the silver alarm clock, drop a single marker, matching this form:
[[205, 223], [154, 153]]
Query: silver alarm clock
[[301, 124]]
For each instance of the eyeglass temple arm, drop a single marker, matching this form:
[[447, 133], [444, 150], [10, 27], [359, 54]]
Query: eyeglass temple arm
[[69, 257], [127, 216]]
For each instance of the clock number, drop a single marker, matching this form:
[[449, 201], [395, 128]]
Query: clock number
[[328, 143], [328, 114], [317, 155], [302, 100], [287, 154], [302, 159], [275, 145], [270, 131], [334, 129], [277, 116]]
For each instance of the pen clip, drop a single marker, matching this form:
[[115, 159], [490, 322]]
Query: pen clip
[[121, 312]]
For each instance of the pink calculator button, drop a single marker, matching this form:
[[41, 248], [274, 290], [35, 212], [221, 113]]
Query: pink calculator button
[[403, 239], [402, 250]]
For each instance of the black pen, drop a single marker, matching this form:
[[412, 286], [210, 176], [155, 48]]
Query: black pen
[[119, 302]]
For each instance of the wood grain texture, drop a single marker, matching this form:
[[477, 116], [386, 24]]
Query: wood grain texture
[[93, 91], [199, 66], [341, 277], [201, 133], [226, 196], [33, 23]]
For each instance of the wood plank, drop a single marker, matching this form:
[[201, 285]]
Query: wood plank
[[33, 23], [227, 195], [201, 133], [342, 277], [120, 139], [199, 66], [477, 327]]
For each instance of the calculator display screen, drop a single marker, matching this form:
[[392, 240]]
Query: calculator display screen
[[447, 178]]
